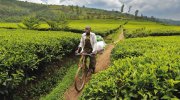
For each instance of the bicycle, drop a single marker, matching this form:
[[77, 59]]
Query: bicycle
[[82, 72]]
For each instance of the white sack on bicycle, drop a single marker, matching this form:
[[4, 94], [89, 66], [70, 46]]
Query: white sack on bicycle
[[100, 44]]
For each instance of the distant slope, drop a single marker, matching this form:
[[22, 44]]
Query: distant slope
[[15, 11], [169, 21]]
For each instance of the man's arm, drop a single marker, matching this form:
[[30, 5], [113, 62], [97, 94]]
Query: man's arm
[[80, 45], [81, 42]]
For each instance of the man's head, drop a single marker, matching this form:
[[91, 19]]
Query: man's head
[[87, 29]]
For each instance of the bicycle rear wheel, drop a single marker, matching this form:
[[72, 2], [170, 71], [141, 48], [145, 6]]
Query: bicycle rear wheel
[[80, 78]]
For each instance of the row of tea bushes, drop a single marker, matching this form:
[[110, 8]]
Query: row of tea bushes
[[142, 68], [24, 51]]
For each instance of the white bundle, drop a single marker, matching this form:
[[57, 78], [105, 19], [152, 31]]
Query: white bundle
[[100, 46]]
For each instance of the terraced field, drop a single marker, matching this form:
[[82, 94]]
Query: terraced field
[[98, 26], [101, 27], [147, 28], [25, 51], [139, 68], [38, 40]]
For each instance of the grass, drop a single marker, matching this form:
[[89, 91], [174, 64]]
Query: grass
[[58, 92], [113, 37], [45, 82]]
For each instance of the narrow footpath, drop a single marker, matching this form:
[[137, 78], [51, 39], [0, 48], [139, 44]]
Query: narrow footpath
[[103, 61]]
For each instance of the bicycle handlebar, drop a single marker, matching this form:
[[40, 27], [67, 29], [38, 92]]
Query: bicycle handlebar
[[84, 54]]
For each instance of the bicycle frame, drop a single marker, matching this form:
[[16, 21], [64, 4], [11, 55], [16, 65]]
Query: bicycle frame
[[82, 59], [81, 67]]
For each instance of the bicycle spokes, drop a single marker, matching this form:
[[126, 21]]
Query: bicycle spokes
[[80, 79], [81, 73]]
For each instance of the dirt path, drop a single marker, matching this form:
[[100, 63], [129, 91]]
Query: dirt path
[[103, 62]]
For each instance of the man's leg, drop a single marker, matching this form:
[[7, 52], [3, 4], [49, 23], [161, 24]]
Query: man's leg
[[86, 57], [92, 63]]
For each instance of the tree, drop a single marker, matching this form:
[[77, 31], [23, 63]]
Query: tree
[[52, 24], [71, 7], [59, 24], [153, 18], [129, 9], [136, 13], [142, 16], [30, 23], [46, 14], [122, 8], [77, 9]]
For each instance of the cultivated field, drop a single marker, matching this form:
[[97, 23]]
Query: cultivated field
[[143, 68], [147, 28]]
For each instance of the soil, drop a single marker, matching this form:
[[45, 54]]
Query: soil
[[103, 61]]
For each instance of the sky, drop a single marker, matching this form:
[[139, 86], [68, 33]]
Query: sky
[[169, 9]]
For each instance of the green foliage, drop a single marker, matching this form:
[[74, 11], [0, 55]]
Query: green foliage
[[45, 83], [147, 28], [133, 28], [15, 11], [53, 25], [142, 68], [55, 21], [57, 25], [23, 51], [112, 38], [100, 27], [58, 92], [99, 38], [30, 23], [136, 13]]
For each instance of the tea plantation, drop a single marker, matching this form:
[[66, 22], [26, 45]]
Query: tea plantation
[[142, 68], [23, 51]]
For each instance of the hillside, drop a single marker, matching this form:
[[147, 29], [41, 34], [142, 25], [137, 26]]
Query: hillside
[[15, 11], [169, 21]]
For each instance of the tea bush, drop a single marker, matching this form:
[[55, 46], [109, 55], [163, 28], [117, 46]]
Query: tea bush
[[142, 68], [23, 51], [147, 28], [100, 27]]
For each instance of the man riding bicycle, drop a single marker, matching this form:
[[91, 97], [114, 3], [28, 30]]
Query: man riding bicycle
[[88, 45]]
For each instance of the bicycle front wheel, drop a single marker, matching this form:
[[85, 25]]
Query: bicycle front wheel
[[80, 79]]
